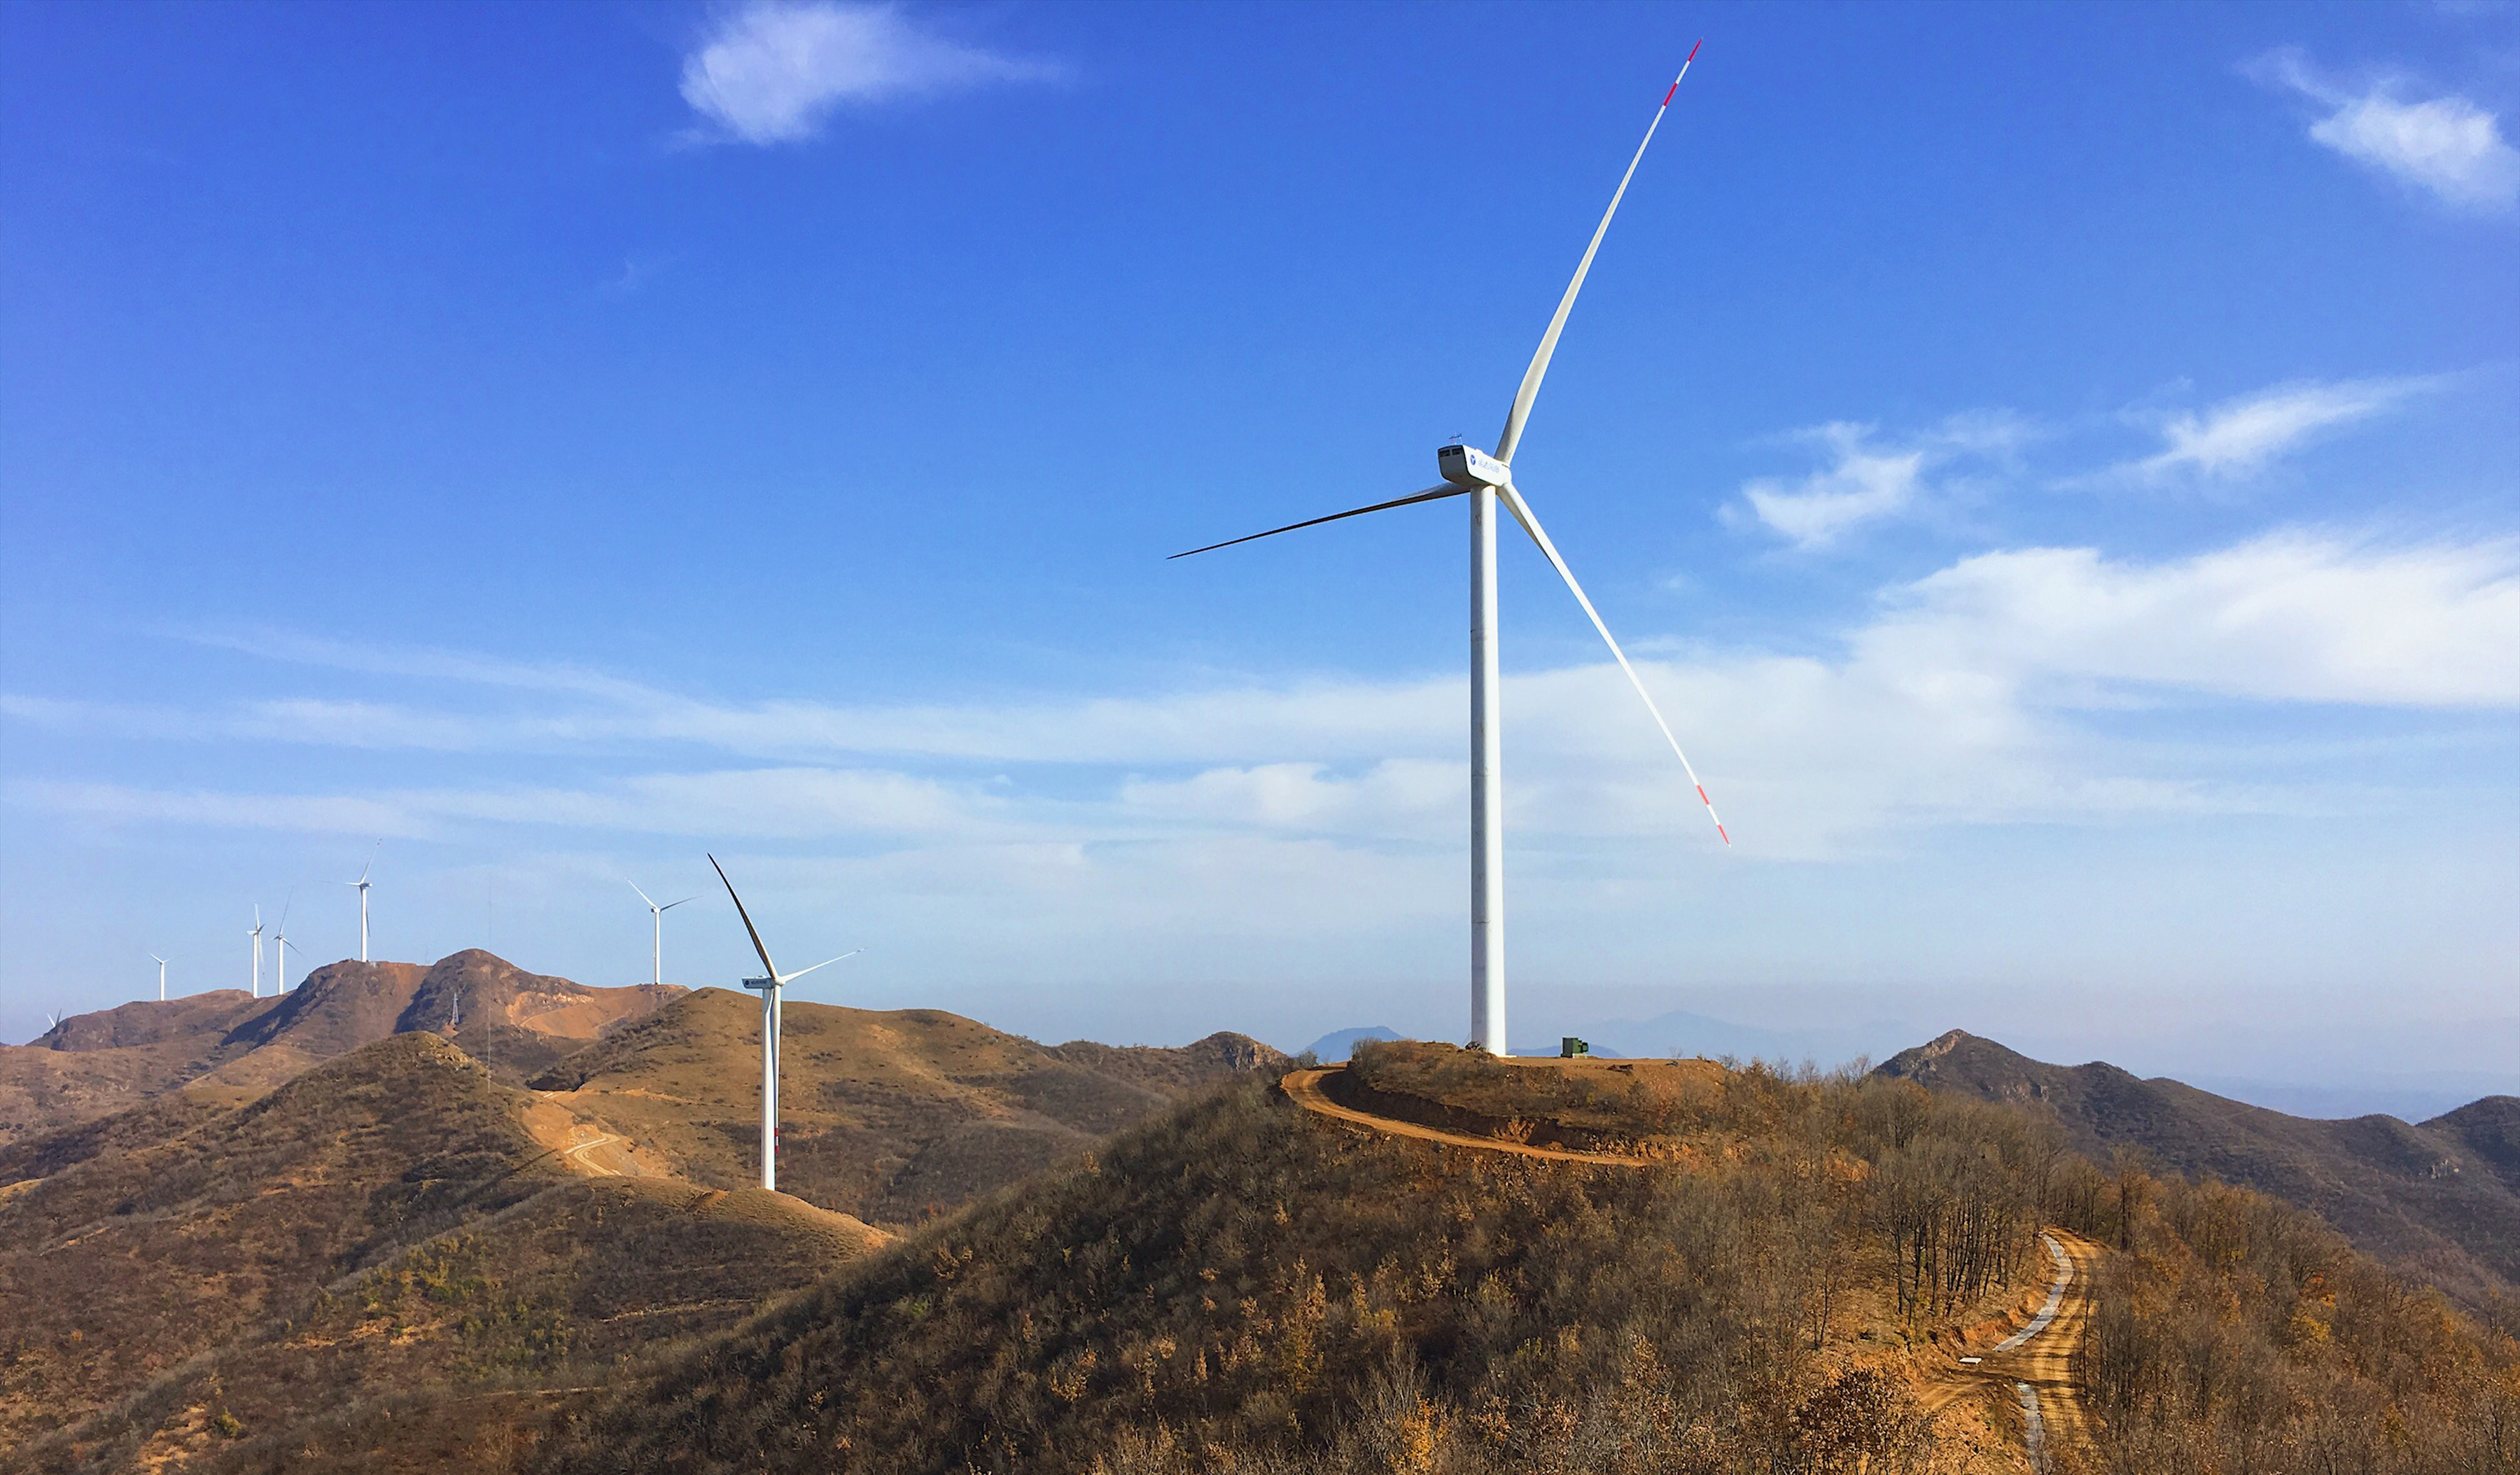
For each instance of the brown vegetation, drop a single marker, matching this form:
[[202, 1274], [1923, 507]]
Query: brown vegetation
[[893, 1116], [1243, 1286], [2439, 1200], [225, 1048]]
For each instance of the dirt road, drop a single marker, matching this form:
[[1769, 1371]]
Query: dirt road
[[1304, 1088], [2032, 1368]]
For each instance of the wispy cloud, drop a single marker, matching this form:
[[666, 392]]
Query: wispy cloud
[[1866, 482], [771, 71], [2447, 146], [1962, 701], [2239, 436]]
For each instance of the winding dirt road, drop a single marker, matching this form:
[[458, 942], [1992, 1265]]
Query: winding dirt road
[[2032, 1368], [2033, 1364], [1304, 1088]]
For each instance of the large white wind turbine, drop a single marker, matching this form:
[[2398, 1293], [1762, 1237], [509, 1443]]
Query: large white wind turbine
[[162, 976], [256, 982], [1486, 480], [769, 987], [362, 885], [660, 913]]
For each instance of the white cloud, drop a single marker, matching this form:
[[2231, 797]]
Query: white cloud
[[1863, 486], [1964, 701], [2239, 436], [1867, 482], [771, 71], [2447, 146], [2290, 617]]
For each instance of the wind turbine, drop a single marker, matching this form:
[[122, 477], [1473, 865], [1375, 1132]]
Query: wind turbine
[[362, 885], [769, 987], [1486, 480], [280, 946], [660, 924], [162, 976], [255, 983]]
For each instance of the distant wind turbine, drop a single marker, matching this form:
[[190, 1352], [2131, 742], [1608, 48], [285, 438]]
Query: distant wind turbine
[[280, 946], [769, 986], [255, 983], [1486, 480], [660, 913], [162, 976], [362, 885]]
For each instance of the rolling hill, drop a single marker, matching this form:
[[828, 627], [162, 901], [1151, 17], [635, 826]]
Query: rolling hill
[[225, 1048], [392, 1232], [2441, 1198], [891, 1116], [1245, 1285]]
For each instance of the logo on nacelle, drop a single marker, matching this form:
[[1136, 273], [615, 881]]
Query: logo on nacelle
[[1468, 466]]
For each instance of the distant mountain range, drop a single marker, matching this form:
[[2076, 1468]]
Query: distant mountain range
[[2440, 1198], [226, 1047]]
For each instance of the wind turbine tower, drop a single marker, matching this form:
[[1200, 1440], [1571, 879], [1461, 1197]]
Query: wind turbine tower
[[659, 914], [162, 977], [362, 885], [1488, 480], [769, 985], [280, 946], [255, 983]]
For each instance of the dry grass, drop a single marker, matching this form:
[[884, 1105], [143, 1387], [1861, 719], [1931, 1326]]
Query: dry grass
[[892, 1116]]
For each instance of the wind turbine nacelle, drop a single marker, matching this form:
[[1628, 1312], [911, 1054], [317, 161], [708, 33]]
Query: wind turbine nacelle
[[1470, 466], [759, 983]]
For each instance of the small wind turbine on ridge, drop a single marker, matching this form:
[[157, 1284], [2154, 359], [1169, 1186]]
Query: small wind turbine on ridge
[[1488, 480], [280, 946], [162, 976], [769, 986], [256, 982], [362, 885], [660, 913]]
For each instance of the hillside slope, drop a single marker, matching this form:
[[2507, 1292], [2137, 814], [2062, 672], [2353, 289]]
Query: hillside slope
[[125, 1265], [2441, 1198], [226, 1048], [1242, 1285], [392, 1236], [892, 1116]]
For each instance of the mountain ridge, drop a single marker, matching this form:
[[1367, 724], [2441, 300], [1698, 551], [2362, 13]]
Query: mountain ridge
[[2439, 1197], [226, 1047]]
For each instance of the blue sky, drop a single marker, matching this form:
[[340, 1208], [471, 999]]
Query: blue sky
[[2055, 463]]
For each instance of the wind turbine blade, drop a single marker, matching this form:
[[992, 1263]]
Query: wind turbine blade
[[1431, 493], [286, 903], [1539, 369], [825, 964], [671, 905], [1523, 514], [642, 896], [370, 866], [767, 966]]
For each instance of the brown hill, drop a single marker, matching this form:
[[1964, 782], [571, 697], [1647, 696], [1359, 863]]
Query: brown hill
[[124, 1265], [1242, 1285], [197, 1292], [226, 1048], [891, 1116], [444, 1355], [2441, 1198]]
